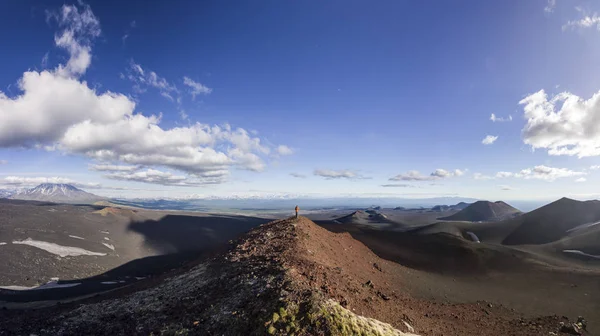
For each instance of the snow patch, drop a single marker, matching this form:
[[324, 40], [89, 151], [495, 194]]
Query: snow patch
[[105, 232], [62, 251], [106, 238], [582, 253], [108, 282], [49, 285], [76, 237], [2, 243], [112, 247], [16, 287], [473, 237], [583, 226]]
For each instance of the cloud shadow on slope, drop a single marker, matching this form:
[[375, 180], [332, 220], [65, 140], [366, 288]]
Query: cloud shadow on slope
[[181, 233]]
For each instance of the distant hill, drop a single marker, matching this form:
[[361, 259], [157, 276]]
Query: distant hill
[[57, 193], [484, 211], [455, 207], [553, 222], [461, 205], [364, 217]]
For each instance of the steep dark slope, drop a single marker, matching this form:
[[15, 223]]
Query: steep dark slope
[[285, 277], [552, 222], [484, 211]]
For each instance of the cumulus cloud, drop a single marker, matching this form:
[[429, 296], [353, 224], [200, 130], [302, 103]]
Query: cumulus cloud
[[594, 167], [284, 150], [58, 111], [195, 87], [108, 167], [414, 175], [505, 187], [338, 174], [298, 175], [488, 140], [163, 178], [581, 179], [563, 125], [494, 118]]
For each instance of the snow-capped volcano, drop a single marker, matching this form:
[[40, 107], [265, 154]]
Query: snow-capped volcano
[[57, 193]]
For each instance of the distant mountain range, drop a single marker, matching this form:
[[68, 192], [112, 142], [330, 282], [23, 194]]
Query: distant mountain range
[[6, 193], [484, 211], [57, 193]]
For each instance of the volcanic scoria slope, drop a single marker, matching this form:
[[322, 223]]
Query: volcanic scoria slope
[[287, 277], [484, 211]]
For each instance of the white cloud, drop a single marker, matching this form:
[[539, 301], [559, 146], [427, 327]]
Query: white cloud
[[415, 175], [581, 179], [195, 87], [458, 172], [493, 118], [505, 187], [80, 27], [284, 150], [550, 6], [563, 125], [143, 79], [541, 173], [595, 167], [488, 140], [504, 174], [51, 104], [298, 175], [3, 162], [163, 178], [338, 174], [57, 111], [587, 21], [107, 167]]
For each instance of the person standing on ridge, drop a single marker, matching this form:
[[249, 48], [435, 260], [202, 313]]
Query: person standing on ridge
[[297, 208]]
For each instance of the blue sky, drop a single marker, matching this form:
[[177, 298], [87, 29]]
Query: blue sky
[[312, 97]]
